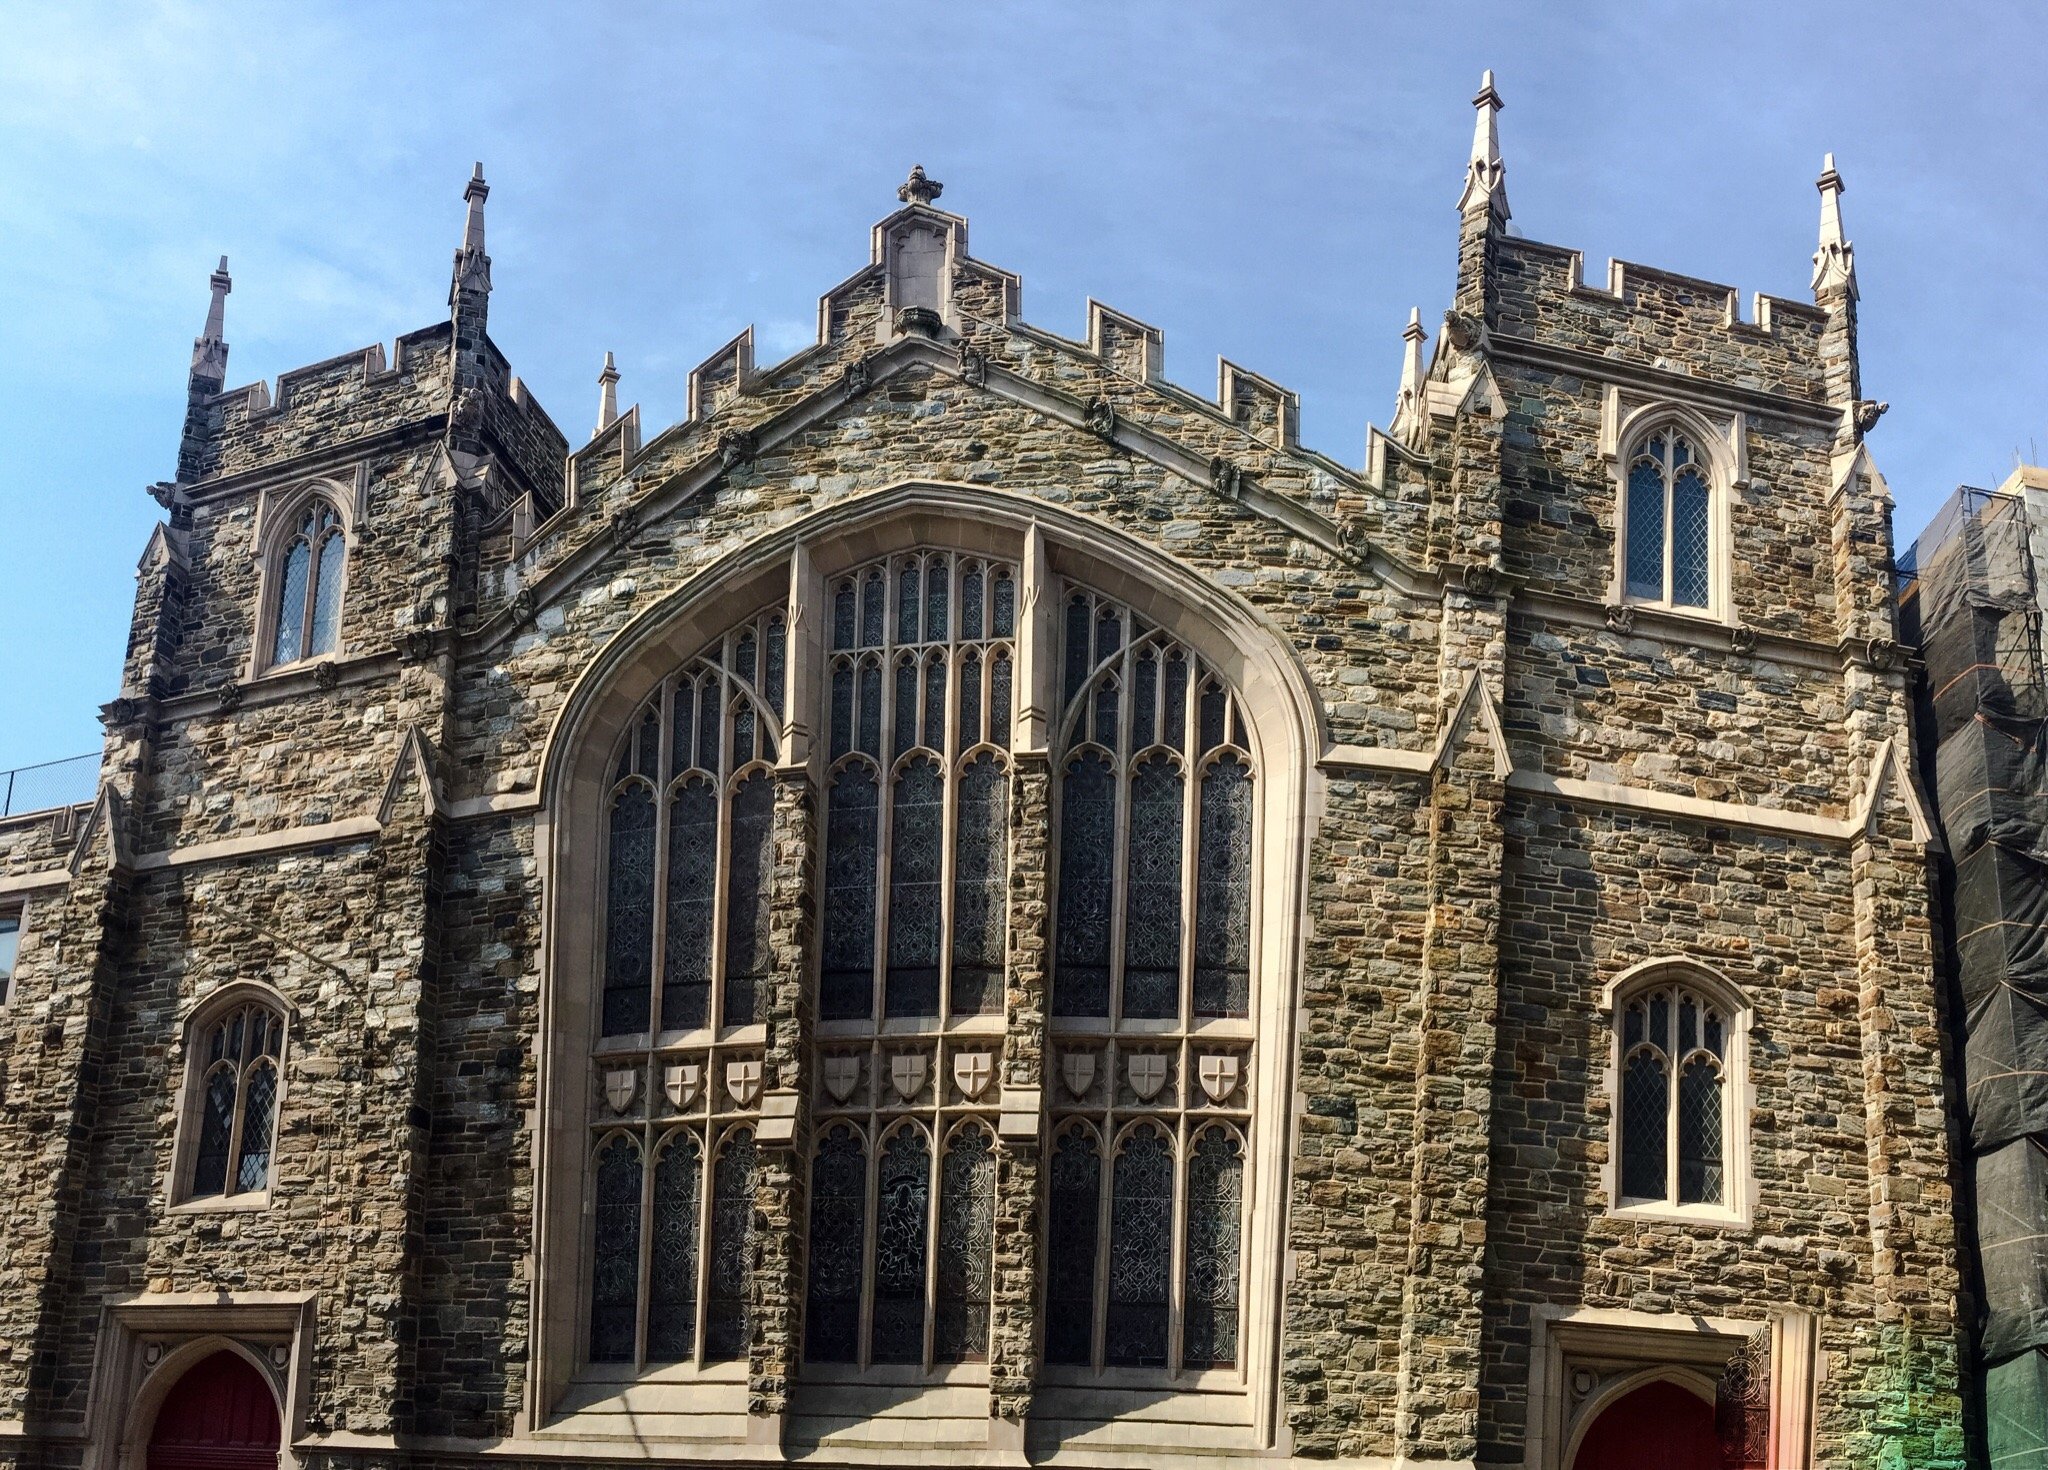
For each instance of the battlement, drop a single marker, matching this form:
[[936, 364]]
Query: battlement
[[1659, 318]]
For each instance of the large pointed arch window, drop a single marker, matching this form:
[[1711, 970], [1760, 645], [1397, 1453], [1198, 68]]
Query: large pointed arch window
[[1151, 1003]]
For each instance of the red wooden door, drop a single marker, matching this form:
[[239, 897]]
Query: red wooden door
[[1657, 1427], [219, 1416]]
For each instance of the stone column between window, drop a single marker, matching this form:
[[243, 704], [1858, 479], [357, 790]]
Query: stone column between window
[[1013, 1295]]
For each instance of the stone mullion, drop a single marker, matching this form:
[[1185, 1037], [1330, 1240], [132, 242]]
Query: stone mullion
[[1013, 1298], [783, 1137]]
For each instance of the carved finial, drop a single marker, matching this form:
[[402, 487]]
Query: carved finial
[[918, 189], [472, 266], [1834, 263], [474, 196], [1408, 405], [210, 348], [1486, 178], [607, 396]]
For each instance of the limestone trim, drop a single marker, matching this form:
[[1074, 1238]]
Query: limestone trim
[[228, 849], [147, 1342], [36, 882], [1720, 450], [1654, 382]]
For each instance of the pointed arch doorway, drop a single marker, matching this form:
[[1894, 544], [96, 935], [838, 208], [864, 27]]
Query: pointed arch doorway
[[220, 1415], [1660, 1426]]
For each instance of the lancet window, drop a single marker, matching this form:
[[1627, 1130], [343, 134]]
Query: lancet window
[[306, 605], [1676, 1055], [236, 1059], [1669, 514], [1151, 998]]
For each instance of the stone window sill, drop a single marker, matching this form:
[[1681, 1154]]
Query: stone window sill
[[1717, 1216], [224, 1204]]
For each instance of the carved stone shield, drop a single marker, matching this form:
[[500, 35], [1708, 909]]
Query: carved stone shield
[[1077, 1070], [1218, 1075], [907, 1072], [743, 1081], [1147, 1074], [972, 1073], [842, 1075], [619, 1088], [682, 1081]]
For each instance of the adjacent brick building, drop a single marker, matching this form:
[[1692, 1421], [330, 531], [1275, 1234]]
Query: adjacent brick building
[[967, 901]]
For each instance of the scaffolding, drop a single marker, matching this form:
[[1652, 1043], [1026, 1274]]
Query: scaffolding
[[1970, 595]]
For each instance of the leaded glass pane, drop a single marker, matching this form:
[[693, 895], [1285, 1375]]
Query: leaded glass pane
[[846, 978], [615, 1254], [980, 881], [967, 1218], [917, 822], [935, 703], [906, 709], [647, 742], [750, 874], [1223, 892], [1086, 888], [970, 701], [709, 723], [1003, 607], [327, 595], [1109, 631], [843, 616], [682, 731], [839, 1197], [745, 654], [1646, 530], [1645, 1103], [1173, 729], [672, 1283], [692, 885], [903, 1200], [1699, 1133], [1689, 539], [1074, 1194], [1688, 1024], [842, 710], [872, 613], [907, 584], [1078, 663], [775, 673], [937, 590], [732, 1225], [871, 709], [999, 699], [1144, 700], [1213, 706], [1660, 1018], [1632, 1025], [629, 912], [290, 643], [1715, 1042], [1209, 1337], [1152, 895], [216, 1132], [1105, 714], [970, 603], [1140, 1250], [742, 732], [259, 1108]]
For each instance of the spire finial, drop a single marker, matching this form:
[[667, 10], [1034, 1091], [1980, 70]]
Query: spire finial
[[474, 196], [1486, 178], [472, 265], [919, 189], [1834, 263], [607, 396], [210, 348], [1408, 406]]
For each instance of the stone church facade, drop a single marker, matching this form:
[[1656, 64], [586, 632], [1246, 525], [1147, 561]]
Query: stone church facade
[[967, 903]]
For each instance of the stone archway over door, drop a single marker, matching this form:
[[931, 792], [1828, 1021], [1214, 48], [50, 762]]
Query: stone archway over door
[[220, 1415], [1659, 1426]]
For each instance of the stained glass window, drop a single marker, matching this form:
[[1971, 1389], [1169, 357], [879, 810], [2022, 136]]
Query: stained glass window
[[1140, 1250], [1670, 536], [1644, 1092], [839, 1196], [902, 1206], [1074, 1193], [1086, 891], [980, 880], [846, 978], [672, 1286], [615, 1253], [629, 910], [692, 889], [1673, 1142], [1153, 892], [967, 1215], [750, 877], [915, 852], [732, 1226], [1223, 928], [307, 606], [237, 1062], [1214, 1222]]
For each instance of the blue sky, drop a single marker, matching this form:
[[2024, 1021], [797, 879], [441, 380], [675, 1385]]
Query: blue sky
[[1272, 182]]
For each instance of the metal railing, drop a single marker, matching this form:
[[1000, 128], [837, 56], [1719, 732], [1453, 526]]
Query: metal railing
[[49, 785]]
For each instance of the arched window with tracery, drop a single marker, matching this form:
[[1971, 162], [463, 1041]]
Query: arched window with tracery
[[1678, 1059], [1151, 1003], [1669, 512], [236, 1056], [307, 576]]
